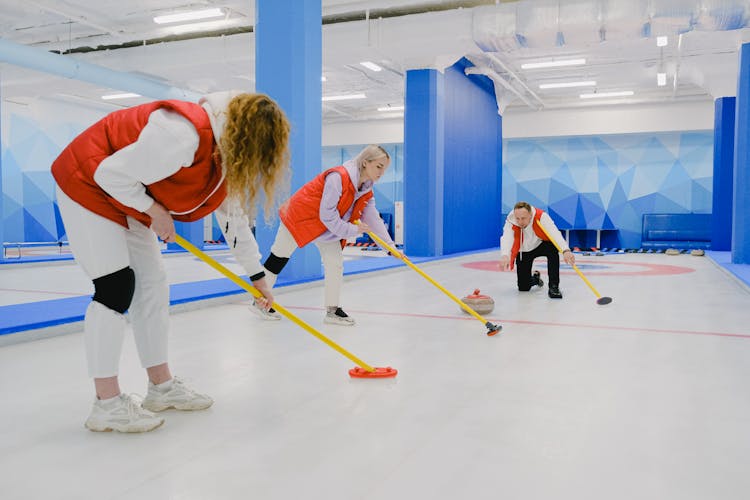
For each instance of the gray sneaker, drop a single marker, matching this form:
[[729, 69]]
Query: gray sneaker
[[338, 317], [269, 315], [177, 396], [124, 414]]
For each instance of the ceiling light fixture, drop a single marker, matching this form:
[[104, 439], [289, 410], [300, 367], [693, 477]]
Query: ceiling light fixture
[[661, 79], [126, 95], [554, 64], [391, 108], [188, 16], [662, 41], [595, 95], [564, 85], [371, 66], [345, 97]]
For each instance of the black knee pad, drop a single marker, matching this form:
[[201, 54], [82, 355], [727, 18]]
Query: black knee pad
[[275, 264], [115, 290]]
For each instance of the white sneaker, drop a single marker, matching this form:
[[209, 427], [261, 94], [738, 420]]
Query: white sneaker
[[124, 414], [338, 317], [176, 395], [269, 315]]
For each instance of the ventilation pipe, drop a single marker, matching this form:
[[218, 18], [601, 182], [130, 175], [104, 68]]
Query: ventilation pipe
[[69, 67], [508, 27]]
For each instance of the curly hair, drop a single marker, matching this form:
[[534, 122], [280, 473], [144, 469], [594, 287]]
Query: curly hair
[[254, 147]]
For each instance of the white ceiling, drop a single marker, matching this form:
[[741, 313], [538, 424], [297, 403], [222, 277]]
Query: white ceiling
[[616, 37]]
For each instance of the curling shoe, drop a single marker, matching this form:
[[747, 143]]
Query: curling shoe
[[536, 279], [554, 292], [270, 315], [174, 394], [337, 316], [122, 414]]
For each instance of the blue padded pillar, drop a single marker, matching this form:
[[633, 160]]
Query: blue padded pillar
[[424, 131], [721, 220], [191, 231], [288, 65], [2, 195], [740, 213]]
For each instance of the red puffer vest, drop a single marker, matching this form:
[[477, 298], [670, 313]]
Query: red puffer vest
[[300, 214], [517, 235], [190, 193]]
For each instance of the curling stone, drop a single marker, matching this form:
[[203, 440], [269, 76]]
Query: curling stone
[[482, 304]]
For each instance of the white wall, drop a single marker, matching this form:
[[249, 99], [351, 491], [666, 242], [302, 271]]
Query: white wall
[[519, 123], [599, 120], [370, 132]]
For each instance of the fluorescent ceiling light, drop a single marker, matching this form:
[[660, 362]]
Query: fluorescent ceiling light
[[188, 16], [554, 64], [120, 96], [662, 41], [345, 97], [661, 79], [391, 108], [371, 66], [179, 29], [564, 85], [595, 95]]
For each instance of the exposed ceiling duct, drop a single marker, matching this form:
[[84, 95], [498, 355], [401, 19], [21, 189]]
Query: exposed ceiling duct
[[555, 23]]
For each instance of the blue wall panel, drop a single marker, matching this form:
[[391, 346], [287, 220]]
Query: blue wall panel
[[741, 181], [473, 164], [609, 182], [721, 226], [423, 163]]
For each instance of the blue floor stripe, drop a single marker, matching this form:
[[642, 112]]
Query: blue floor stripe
[[30, 316]]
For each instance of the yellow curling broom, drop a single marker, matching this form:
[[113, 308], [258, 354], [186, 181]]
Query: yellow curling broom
[[492, 329], [362, 370], [599, 299]]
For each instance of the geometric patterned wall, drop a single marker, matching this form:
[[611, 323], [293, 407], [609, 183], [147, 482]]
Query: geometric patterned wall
[[32, 138], [610, 181]]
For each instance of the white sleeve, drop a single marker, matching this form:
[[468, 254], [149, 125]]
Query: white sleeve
[[237, 232], [555, 233], [371, 217], [506, 240], [167, 143]]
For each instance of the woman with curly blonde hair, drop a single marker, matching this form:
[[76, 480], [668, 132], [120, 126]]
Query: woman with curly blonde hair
[[121, 184]]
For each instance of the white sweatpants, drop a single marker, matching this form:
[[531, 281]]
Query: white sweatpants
[[102, 247], [331, 256]]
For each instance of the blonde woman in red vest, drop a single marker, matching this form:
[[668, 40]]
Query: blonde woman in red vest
[[323, 211], [523, 241], [120, 186]]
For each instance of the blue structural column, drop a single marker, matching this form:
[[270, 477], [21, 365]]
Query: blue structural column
[[452, 162], [424, 130], [288, 66], [2, 195], [740, 212], [721, 220]]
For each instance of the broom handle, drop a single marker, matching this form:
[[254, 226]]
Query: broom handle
[[393, 251], [255, 293], [575, 268]]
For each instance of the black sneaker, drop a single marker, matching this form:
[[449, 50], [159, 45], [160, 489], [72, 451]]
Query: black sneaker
[[554, 292], [536, 279]]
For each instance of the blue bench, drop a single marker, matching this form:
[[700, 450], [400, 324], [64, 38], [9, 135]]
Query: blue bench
[[681, 231]]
